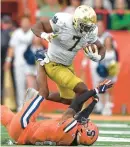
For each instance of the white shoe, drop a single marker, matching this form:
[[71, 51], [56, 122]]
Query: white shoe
[[30, 93], [10, 142]]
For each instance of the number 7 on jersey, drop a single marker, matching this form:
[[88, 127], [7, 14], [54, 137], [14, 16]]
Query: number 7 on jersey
[[77, 38]]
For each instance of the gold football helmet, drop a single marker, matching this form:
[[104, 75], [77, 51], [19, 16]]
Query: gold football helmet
[[84, 19]]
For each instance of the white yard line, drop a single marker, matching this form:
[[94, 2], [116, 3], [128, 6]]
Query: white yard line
[[113, 125], [114, 132], [112, 139]]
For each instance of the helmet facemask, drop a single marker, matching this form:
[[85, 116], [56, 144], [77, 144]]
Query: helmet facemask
[[84, 27]]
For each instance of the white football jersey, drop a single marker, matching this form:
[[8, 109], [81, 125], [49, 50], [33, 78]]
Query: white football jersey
[[68, 42]]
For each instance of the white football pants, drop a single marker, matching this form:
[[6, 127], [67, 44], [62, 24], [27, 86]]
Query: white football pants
[[20, 85]]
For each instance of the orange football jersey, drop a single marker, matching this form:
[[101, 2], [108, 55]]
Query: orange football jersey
[[60, 133]]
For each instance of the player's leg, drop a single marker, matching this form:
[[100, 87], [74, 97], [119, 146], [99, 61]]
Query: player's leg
[[43, 88], [64, 77], [61, 75], [77, 103], [31, 108], [42, 81], [29, 113], [56, 97], [68, 83], [20, 84], [80, 87], [7, 117]]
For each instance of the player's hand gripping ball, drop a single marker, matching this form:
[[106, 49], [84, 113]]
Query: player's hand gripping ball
[[92, 52]]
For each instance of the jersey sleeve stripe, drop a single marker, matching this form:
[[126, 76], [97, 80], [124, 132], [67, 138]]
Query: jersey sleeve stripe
[[30, 111], [70, 126]]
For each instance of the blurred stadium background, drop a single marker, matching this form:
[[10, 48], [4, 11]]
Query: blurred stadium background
[[114, 32]]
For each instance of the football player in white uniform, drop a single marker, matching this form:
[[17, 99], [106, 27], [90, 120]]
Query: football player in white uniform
[[67, 34]]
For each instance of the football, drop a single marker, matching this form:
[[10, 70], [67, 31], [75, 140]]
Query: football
[[93, 46]]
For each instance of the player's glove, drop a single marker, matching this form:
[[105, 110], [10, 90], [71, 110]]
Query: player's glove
[[48, 36], [41, 57], [103, 86], [93, 55]]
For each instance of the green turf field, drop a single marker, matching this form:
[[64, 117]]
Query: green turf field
[[111, 133]]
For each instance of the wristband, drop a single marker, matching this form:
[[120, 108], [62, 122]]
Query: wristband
[[96, 90], [44, 35], [8, 59]]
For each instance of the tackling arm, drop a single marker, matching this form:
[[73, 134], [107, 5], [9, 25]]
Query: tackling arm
[[86, 112], [77, 103]]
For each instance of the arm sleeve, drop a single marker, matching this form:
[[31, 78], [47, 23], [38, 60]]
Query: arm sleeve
[[86, 112], [77, 103], [57, 22]]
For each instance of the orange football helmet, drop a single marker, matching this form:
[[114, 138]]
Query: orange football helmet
[[87, 133]]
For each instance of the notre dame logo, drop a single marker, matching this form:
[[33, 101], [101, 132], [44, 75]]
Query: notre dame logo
[[55, 19]]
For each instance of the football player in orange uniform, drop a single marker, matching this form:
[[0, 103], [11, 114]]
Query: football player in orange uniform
[[72, 128]]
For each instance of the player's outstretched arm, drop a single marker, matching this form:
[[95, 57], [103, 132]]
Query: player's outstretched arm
[[84, 114], [101, 88], [77, 103]]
